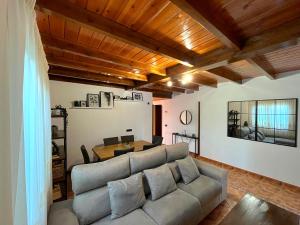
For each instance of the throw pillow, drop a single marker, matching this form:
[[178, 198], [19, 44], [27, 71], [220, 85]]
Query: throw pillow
[[188, 169], [161, 181], [126, 195]]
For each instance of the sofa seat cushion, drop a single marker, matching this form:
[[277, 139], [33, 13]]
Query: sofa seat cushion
[[175, 208], [136, 217], [203, 188]]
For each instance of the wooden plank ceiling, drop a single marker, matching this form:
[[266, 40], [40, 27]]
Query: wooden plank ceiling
[[143, 44]]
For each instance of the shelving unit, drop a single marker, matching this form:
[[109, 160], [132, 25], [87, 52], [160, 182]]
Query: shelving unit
[[233, 123], [59, 158]]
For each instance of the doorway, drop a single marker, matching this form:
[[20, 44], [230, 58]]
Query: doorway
[[157, 120]]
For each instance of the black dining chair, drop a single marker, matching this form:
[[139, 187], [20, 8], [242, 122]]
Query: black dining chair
[[145, 147], [111, 141], [127, 138], [157, 140], [119, 152], [85, 155]]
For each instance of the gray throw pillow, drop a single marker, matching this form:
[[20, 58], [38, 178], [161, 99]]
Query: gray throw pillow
[[188, 169], [126, 195], [161, 181]]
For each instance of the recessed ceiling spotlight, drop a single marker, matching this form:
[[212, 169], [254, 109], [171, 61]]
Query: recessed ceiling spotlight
[[108, 74], [136, 71], [169, 83], [120, 77]]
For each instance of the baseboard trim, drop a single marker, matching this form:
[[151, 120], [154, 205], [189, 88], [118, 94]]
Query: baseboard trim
[[225, 165]]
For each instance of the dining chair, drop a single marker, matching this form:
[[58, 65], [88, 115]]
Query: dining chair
[[85, 155], [145, 147], [111, 141], [157, 140], [127, 138], [119, 152]]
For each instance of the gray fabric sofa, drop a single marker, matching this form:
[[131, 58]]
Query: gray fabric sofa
[[187, 205]]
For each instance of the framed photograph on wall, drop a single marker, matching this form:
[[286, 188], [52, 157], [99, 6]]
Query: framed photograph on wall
[[82, 103], [93, 100], [106, 99], [137, 96]]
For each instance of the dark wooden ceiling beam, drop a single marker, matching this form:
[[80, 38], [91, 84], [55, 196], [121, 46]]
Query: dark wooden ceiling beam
[[197, 80], [89, 67], [89, 76], [283, 36], [83, 81], [160, 87], [166, 95], [227, 74], [110, 28], [262, 66], [201, 12], [287, 73], [62, 45], [158, 93], [189, 86], [200, 80]]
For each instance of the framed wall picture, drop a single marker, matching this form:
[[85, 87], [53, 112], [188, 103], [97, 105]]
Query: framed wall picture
[[106, 99], [137, 96], [93, 100], [82, 103]]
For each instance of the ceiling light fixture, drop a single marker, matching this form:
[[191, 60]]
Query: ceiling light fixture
[[121, 78], [186, 79], [169, 83]]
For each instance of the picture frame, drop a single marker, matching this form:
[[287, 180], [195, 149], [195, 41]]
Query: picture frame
[[93, 100], [106, 100], [82, 103], [137, 96]]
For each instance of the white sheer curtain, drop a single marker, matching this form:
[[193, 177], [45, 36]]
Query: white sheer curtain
[[25, 118], [278, 114]]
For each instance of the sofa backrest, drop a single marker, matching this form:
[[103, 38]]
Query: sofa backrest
[[89, 181], [147, 159], [89, 184], [177, 151]]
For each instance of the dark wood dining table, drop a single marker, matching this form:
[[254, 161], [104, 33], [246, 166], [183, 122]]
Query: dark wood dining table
[[107, 152]]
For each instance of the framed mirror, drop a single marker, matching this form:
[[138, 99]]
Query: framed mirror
[[271, 121], [185, 117]]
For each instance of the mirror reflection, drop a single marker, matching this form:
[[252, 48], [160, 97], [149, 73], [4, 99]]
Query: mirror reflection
[[185, 117], [270, 121]]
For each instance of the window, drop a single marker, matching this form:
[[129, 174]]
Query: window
[[271, 121]]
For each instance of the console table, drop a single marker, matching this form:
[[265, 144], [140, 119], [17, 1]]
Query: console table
[[190, 137]]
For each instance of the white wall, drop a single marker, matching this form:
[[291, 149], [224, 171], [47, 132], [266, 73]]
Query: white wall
[[279, 162], [90, 126]]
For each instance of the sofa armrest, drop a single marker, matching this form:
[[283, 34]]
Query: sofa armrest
[[61, 213], [214, 172]]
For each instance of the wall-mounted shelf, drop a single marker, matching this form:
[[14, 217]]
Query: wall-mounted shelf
[[120, 100], [86, 108]]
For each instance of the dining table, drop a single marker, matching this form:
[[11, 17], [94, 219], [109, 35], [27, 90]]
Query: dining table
[[107, 152]]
